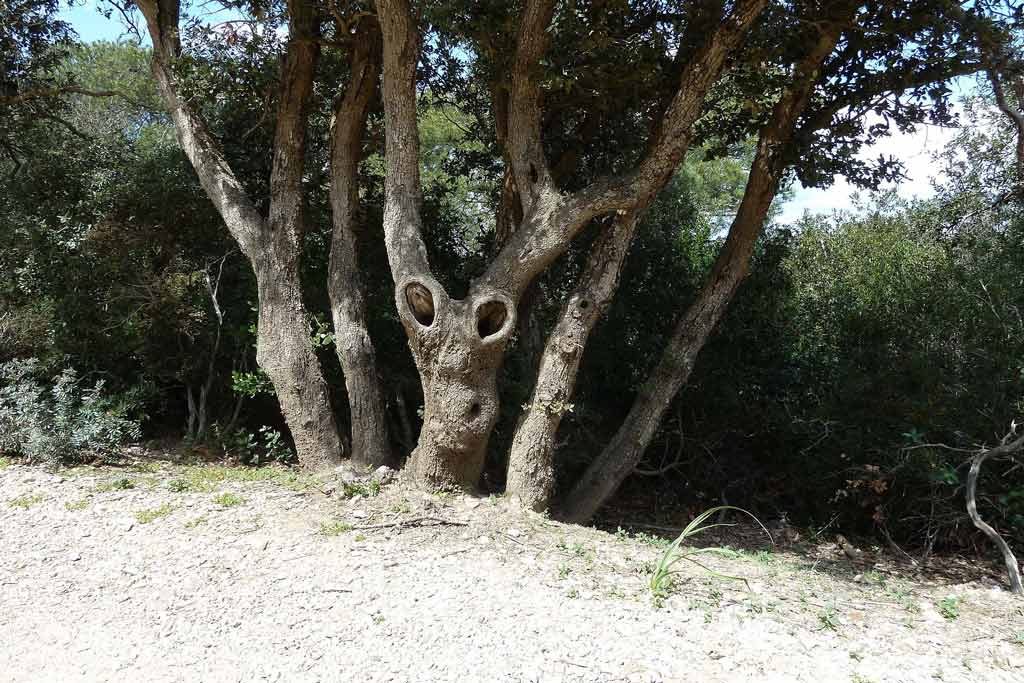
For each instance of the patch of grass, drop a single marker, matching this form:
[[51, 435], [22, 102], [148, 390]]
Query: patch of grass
[[5, 463], [26, 501], [949, 607], [572, 593], [360, 537], [207, 478], [334, 528], [122, 484], [228, 500], [149, 467], [903, 596], [563, 571], [402, 508], [193, 523], [829, 619], [641, 537], [147, 516], [178, 486], [76, 505], [1017, 638], [352, 489]]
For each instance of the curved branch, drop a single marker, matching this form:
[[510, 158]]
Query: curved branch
[[1005, 448]]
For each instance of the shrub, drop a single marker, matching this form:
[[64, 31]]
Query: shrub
[[54, 419]]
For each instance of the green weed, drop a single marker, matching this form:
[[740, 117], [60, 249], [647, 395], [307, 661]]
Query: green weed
[[675, 553], [228, 500], [949, 607], [122, 484], [26, 501], [334, 528], [76, 505], [147, 516]]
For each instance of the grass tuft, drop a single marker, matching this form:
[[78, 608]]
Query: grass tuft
[[228, 500], [661, 578], [26, 501], [334, 528], [147, 516]]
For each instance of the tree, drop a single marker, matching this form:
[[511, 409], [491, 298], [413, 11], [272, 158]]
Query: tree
[[820, 62], [273, 243], [459, 344]]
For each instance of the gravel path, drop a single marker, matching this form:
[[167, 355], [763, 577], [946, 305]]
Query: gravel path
[[171, 580]]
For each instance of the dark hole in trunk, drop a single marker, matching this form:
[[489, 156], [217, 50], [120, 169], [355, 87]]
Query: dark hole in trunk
[[474, 410], [421, 303], [490, 318]]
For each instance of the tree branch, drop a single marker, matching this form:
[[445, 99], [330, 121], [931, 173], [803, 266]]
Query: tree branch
[[1006, 447], [552, 220], [286, 196], [403, 193], [218, 180], [525, 149], [43, 93]]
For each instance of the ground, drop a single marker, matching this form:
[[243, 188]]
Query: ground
[[170, 572]]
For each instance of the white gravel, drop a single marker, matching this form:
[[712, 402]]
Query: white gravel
[[256, 592]]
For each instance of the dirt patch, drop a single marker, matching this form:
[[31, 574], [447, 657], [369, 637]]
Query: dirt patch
[[174, 572]]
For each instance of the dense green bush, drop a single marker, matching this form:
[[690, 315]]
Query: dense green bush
[[51, 417]]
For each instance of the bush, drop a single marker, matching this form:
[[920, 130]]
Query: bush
[[54, 419]]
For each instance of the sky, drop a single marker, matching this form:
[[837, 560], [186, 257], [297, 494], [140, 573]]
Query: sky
[[915, 150]]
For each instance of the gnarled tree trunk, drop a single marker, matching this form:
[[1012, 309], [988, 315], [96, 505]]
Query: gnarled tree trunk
[[458, 347]]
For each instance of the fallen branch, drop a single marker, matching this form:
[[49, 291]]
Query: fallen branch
[[415, 521]]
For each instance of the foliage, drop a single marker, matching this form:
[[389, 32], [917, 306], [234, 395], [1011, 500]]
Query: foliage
[[52, 418]]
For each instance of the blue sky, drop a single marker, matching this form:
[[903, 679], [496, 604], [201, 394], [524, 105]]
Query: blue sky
[[915, 150], [90, 24]]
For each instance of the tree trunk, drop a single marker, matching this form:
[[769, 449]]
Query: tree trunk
[[458, 347], [619, 458], [531, 473], [284, 352], [371, 444]]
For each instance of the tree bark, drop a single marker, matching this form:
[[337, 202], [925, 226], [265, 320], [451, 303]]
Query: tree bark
[[272, 245], [620, 456], [457, 344], [371, 444]]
